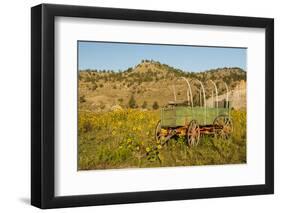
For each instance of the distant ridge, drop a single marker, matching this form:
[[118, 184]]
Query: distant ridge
[[151, 81]]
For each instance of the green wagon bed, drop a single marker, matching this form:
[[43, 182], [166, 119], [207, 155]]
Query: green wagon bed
[[176, 116]]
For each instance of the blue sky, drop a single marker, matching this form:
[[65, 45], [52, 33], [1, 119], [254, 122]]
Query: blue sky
[[120, 56]]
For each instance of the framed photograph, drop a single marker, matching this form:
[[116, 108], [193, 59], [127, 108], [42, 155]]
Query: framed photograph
[[139, 106]]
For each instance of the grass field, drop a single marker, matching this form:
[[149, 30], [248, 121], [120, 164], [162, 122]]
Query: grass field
[[125, 139]]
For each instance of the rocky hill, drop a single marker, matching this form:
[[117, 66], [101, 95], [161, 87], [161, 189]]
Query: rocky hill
[[151, 84]]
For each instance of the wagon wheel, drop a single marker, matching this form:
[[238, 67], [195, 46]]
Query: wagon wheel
[[223, 126], [193, 133], [160, 138]]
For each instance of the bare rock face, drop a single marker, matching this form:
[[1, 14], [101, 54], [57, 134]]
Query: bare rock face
[[236, 96], [239, 96]]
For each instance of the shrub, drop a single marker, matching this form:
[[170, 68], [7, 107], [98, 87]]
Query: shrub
[[94, 87], [144, 105], [120, 100], [132, 102], [155, 105], [82, 99]]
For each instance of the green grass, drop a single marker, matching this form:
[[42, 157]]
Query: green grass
[[125, 139]]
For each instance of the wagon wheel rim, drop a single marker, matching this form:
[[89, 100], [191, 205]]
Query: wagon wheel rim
[[158, 131], [223, 126], [193, 133]]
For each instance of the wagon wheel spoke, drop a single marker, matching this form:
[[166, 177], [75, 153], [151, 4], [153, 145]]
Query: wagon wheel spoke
[[191, 140], [228, 128]]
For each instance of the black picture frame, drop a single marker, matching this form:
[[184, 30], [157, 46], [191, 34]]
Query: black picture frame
[[43, 102]]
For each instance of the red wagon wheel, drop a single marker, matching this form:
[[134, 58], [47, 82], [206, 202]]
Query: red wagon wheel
[[193, 133], [223, 126]]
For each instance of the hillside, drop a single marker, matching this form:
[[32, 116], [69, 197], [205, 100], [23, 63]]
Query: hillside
[[150, 82]]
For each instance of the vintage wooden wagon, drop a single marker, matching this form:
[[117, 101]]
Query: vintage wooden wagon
[[183, 119]]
